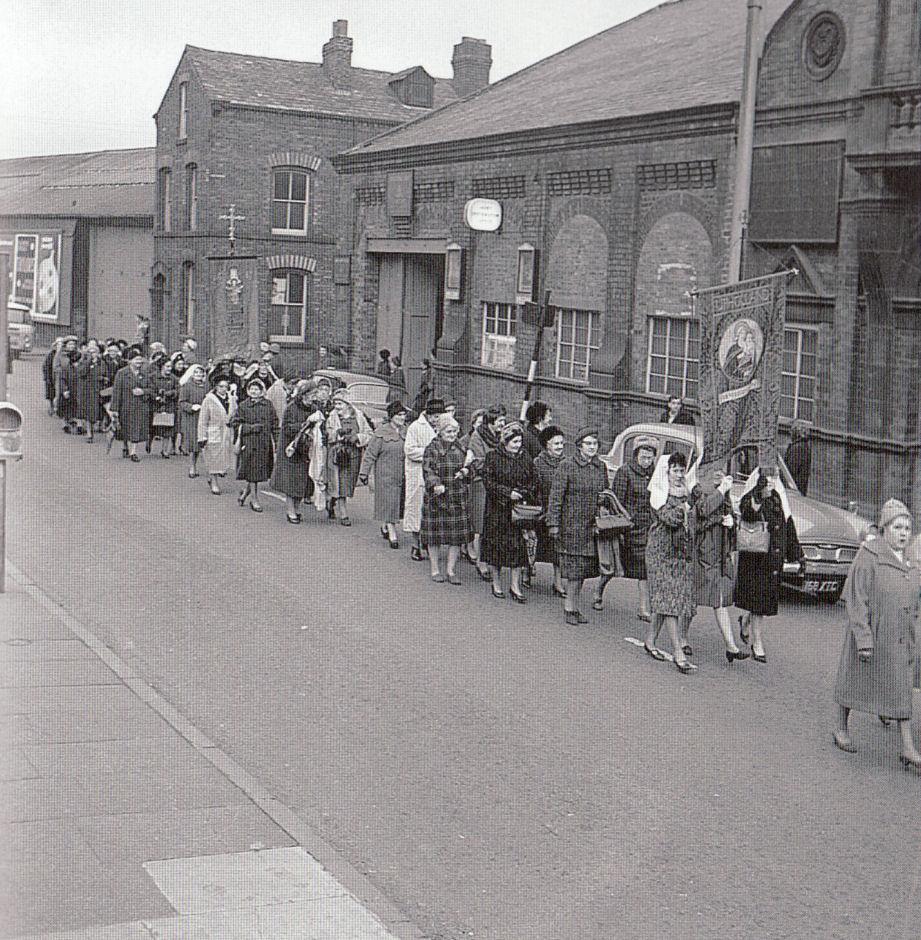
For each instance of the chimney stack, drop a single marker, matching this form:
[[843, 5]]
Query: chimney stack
[[337, 56], [472, 60]]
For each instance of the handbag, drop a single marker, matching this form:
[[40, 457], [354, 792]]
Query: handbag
[[524, 512], [611, 518], [753, 537], [163, 419]]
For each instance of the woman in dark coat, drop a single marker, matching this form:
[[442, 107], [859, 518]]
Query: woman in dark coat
[[90, 379], [165, 389], [292, 459], [484, 439], [384, 458], [571, 512], [758, 581], [132, 399], [445, 514], [509, 477], [631, 483], [879, 660], [546, 465], [192, 390], [48, 375], [111, 362], [714, 548], [670, 559], [69, 389], [256, 425]]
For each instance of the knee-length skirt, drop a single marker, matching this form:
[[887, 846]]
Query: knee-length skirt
[[671, 577], [446, 518]]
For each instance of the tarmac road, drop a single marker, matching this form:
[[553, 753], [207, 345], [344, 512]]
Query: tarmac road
[[494, 772]]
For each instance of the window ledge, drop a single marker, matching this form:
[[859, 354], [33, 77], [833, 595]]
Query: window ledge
[[287, 340], [291, 232]]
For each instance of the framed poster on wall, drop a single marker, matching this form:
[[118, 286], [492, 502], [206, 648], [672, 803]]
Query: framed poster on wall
[[48, 278], [25, 259]]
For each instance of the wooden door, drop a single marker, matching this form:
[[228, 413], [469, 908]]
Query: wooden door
[[390, 304], [423, 300]]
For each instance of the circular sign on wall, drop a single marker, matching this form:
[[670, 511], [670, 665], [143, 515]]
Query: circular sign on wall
[[823, 45], [483, 215]]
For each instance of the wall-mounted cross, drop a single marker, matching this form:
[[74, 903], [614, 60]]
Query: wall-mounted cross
[[232, 218]]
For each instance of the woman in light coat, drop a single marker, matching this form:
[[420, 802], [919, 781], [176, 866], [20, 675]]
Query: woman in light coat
[[215, 437], [347, 434], [879, 661], [384, 458]]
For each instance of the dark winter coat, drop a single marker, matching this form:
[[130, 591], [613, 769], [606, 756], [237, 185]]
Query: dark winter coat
[[573, 503], [190, 395], [683, 417], [90, 382], [714, 544], [631, 486], [759, 575], [545, 466], [502, 543], [531, 445], [48, 375], [256, 423], [291, 475], [69, 389], [110, 369], [882, 598], [482, 442], [445, 516], [166, 398], [798, 458], [385, 459], [133, 410]]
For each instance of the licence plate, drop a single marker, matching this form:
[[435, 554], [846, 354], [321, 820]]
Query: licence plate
[[821, 587]]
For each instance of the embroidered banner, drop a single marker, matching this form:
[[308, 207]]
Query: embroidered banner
[[741, 364], [234, 306]]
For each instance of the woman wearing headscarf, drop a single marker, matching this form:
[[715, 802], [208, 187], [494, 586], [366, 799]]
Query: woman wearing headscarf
[[715, 545], [571, 512], [546, 466], [256, 425], [509, 478], [631, 486], [383, 457], [484, 439], [163, 418], [214, 435], [292, 460], [445, 515], [347, 434], [90, 379], [764, 501], [670, 559], [132, 399], [192, 390], [878, 668]]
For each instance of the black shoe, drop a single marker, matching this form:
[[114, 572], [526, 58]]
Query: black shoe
[[243, 497], [394, 543], [147, 447], [416, 553], [294, 520], [597, 604], [134, 458], [255, 507], [79, 431], [496, 592], [484, 575], [759, 659], [385, 534], [516, 597], [732, 657], [686, 649]]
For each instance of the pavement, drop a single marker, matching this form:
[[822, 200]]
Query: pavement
[[472, 766], [119, 820]]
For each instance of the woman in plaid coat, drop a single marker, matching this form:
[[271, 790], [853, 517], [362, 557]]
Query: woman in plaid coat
[[445, 514]]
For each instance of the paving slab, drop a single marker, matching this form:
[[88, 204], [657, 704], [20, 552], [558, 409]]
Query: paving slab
[[154, 753], [15, 765], [20, 649], [104, 699], [81, 725], [20, 619], [57, 672], [17, 729]]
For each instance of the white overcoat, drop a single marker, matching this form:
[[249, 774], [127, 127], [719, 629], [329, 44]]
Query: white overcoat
[[418, 436], [212, 428]]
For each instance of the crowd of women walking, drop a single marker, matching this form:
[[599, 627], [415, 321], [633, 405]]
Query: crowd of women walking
[[503, 496]]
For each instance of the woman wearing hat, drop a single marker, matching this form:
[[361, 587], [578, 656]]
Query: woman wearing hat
[[571, 512], [292, 460], [670, 559], [256, 425], [445, 515], [546, 465], [214, 435], [384, 458], [757, 590], [163, 414], [192, 391], [132, 399], [631, 486], [484, 439], [91, 378], [347, 434], [419, 435], [879, 661], [509, 478]]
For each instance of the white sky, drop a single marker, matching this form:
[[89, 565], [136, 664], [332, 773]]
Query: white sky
[[83, 75]]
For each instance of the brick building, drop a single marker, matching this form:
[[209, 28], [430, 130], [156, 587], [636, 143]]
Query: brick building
[[258, 133], [613, 164], [78, 231]]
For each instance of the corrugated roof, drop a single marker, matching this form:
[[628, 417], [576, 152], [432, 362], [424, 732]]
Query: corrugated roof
[[303, 86], [682, 54], [104, 183]]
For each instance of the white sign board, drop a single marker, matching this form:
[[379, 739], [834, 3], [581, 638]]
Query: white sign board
[[483, 215]]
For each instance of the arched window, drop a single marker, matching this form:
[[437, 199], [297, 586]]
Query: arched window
[[191, 197], [164, 199], [188, 297]]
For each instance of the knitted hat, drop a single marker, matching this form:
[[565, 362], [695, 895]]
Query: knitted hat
[[892, 509], [650, 443], [584, 433], [512, 430]]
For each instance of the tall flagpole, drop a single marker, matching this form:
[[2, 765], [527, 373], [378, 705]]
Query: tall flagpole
[[741, 190]]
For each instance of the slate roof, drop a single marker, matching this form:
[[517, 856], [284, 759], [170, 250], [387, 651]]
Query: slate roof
[[681, 54], [104, 183], [303, 86]]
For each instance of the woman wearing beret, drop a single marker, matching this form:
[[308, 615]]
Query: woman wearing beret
[[879, 661], [192, 390], [445, 514], [484, 438], [257, 425], [300, 421], [670, 559], [509, 478], [347, 434], [546, 465], [214, 435], [383, 457], [571, 512]]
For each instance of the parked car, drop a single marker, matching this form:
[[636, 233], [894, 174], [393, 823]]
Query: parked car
[[19, 329], [367, 392], [829, 536]]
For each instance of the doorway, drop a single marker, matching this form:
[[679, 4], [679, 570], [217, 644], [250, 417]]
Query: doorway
[[410, 310]]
